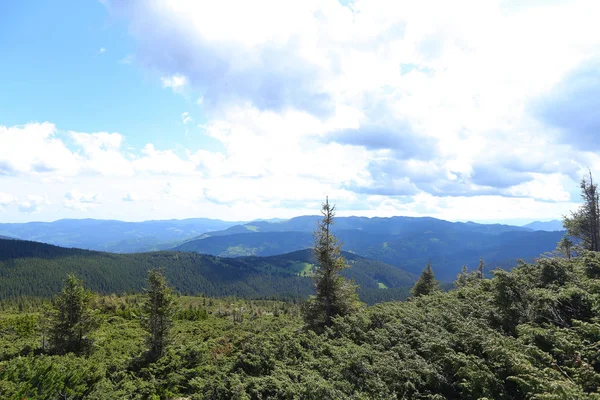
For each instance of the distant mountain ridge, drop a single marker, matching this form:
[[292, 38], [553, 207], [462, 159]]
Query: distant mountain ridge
[[388, 225], [549, 226], [111, 235], [130, 237], [405, 242]]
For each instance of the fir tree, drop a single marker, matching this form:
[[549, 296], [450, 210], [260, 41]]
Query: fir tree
[[334, 295], [584, 223], [70, 318], [157, 309], [426, 283]]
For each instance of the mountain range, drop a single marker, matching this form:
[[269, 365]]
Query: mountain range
[[550, 226], [406, 243], [111, 235], [131, 237]]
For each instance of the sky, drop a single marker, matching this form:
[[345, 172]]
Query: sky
[[466, 110]]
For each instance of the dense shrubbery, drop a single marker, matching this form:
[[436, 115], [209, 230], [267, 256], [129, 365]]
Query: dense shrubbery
[[533, 332]]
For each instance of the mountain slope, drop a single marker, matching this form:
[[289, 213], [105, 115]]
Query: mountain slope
[[366, 272], [448, 253], [446, 245], [38, 269], [246, 244], [115, 236]]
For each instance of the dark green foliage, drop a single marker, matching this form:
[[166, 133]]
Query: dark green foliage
[[426, 283], [334, 295], [531, 333], [70, 319], [157, 314], [38, 270], [466, 278], [48, 377]]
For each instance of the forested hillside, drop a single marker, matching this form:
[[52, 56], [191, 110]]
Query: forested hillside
[[408, 246], [38, 269], [404, 242]]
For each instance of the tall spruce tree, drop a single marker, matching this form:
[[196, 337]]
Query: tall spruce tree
[[334, 295], [70, 318], [426, 284], [584, 224], [157, 309]]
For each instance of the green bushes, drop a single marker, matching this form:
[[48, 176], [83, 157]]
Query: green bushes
[[533, 332]]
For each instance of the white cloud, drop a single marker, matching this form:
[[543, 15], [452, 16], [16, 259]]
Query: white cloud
[[424, 80], [101, 153], [176, 82], [6, 200], [389, 107], [76, 200], [102, 50], [34, 149], [32, 204], [186, 118], [162, 162]]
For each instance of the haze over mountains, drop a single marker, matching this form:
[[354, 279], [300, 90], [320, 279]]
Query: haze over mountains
[[406, 243], [113, 236]]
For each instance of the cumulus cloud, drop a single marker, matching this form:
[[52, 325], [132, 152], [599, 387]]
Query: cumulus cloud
[[272, 57], [399, 108], [6, 199], [572, 105], [75, 195], [34, 149], [412, 85], [32, 204], [101, 153], [76, 200]]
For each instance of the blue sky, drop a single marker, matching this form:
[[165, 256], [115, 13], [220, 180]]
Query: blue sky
[[71, 63], [240, 110]]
